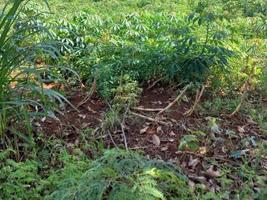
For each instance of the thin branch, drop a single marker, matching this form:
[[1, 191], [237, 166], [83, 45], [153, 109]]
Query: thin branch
[[88, 97], [243, 98], [175, 100], [124, 137], [198, 97], [112, 140], [154, 83], [149, 118], [147, 109]]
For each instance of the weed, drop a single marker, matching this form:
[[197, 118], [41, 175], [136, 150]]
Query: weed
[[125, 175]]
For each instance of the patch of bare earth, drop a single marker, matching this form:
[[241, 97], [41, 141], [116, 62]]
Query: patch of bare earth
[[159, 136]]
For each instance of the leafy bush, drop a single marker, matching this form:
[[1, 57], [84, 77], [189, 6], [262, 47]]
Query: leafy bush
[[21, 81], [126, 175]]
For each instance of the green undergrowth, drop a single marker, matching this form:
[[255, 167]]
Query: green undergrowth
[[118, 175], [125, 175]]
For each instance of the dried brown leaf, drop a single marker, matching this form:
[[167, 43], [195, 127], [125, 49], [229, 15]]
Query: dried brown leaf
[[172, 133], [193, 162], [144, 130], [240, 129], [164, 148], [159, 130], [155, 140], [212, 172]]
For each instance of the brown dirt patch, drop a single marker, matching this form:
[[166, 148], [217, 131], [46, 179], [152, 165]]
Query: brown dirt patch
[[71, 123]]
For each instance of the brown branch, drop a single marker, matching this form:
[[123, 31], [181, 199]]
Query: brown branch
[[154, 83], [91, 93], [149, 118], [198, 97], [175, 100], [147, 109], [124, 137], [243, 97]]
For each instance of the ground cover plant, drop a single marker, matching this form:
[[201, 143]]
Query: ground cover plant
[[121, 99]]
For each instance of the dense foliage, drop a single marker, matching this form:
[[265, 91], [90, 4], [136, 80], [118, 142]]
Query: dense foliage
[[118, 47], [124, 175]]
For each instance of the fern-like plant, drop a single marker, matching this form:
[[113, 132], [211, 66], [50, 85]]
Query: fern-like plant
[[121, 175]]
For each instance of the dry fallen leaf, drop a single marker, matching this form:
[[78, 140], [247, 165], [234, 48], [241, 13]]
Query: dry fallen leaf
[[37, 124], [191, 185], [85, 125], [155, 140], [144, 130], [172, 133], [203, 150], [200, 179], [193, 162], [159, 130], [251, 121], [212, 172], [240, 129], [90, 109], [82, 116], [164, 148]]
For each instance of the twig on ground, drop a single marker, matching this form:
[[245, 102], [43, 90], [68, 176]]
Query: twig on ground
[[91, 92], [138, 147], [198, 97], [149, 118], [243, 97], [124, 137], [112, 140], [175, 100], [147, 109], [154, 83]]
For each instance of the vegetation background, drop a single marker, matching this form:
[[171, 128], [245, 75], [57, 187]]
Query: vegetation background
[[211, 53]]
